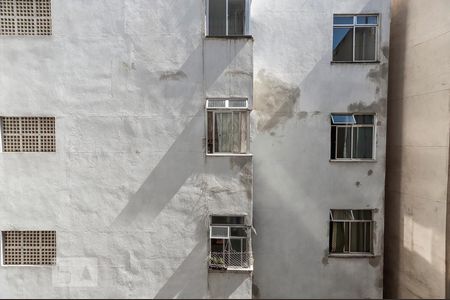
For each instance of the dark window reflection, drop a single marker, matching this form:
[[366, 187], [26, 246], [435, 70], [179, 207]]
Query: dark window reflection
[[343, 44]]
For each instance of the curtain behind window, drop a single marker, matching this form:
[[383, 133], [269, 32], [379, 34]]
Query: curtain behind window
[[236, 15]]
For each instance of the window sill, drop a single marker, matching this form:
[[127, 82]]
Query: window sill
[[352, 255], [231, 270], [230, 37], [228, 154], [353, 160], [355, 62]]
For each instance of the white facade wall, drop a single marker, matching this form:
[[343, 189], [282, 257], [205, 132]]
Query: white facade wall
[[130, 189]]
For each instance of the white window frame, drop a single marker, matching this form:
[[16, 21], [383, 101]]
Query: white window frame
[[246, 20], [355, 25], [244, 240], [226, 109], [351, 126], [371, 224]]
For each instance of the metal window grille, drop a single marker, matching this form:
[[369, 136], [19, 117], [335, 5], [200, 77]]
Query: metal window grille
[[28, 134], [29, 247], [25, 17]]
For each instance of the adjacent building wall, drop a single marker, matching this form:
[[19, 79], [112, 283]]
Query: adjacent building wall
[[295, 185], [418, 151]]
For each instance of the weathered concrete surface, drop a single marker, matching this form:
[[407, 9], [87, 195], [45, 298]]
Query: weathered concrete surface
[[295, 185], [418, 152], [129, 187]]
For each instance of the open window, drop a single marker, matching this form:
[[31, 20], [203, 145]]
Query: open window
[[227, 126], [355, 38], [351, 231], [229, 243], [227, 17], [352, 137]]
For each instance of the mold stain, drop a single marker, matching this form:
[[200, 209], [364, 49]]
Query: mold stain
[[379, 72], [357, 183], [374, 107], [172, 75], [385, 51], [325, 257], [370, 172], [375, 261], [240, 72], [274, 101], [255, 291], [302, 115]]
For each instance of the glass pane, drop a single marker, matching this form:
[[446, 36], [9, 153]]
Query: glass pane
[[342, 44], [358, 242], [223, 132], [217, 245], [342, 119], [243, 131], [210, 132], [365, 39], [333, 143], [342, 214], [238, 231], [342, 20], [236, 17], [363, 142], [236, 245], [344, 142], [364, 119], [217, 17], [236, 136], [362, 214], [226, 220], [373, 20], [339, 237]]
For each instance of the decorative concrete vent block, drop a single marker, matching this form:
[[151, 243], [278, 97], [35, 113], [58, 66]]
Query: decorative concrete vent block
[[25, 17], [29, 247], [28, 134]]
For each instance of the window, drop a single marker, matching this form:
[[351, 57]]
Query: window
[[29, 247], [351, 231], [229, 243], [227, 126], [355, 38], [25, 17], [227, 17], [28, 134], [352, 136]]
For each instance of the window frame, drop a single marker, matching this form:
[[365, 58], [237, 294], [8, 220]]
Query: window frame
[[246, 32], [350, 253], [227, 109], [351, 126], [227, 242], [355, 25]]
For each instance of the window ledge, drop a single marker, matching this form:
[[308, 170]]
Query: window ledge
[[231, 270], [353, 160], [355, 62], [352, 255], [229, 154], [230, 37]]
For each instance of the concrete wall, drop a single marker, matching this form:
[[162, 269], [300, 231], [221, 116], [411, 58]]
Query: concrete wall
[[129, 190], [295, 185], [418, 152]]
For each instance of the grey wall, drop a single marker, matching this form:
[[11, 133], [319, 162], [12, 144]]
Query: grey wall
[[295, 185], [418, 152]]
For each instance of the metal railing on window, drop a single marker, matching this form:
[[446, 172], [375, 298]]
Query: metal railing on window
[[229, 260]]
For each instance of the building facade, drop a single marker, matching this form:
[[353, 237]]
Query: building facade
[[193, 148], [417, 193]]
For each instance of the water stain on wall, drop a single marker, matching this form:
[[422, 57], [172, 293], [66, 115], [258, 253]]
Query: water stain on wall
[[244, 165], [378, 107], [274, 101], [378, 73], [173, 75]]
